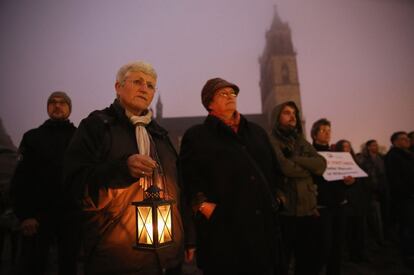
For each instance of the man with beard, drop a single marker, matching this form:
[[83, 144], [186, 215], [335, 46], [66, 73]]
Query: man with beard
[[298, 161], [40, 202]]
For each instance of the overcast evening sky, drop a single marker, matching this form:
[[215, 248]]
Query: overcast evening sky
[[355, 57]]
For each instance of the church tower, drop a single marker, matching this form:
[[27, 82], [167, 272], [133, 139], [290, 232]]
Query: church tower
[[278, 69], [159, 108]]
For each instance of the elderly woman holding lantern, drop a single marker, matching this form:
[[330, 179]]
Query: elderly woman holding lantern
[[230, 177], [121, 167]]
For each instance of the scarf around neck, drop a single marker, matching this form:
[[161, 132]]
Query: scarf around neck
[[233, 122], [141, 134], [142, 138]]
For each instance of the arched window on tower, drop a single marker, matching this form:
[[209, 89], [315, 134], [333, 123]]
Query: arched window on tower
[[285, 74]]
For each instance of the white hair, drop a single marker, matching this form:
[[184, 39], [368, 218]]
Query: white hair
[[136, 66]]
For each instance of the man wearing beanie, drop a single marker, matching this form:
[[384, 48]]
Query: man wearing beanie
[[40, 202], [230, 176]]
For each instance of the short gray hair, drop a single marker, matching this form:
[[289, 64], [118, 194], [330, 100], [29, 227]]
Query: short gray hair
[[136, 66]]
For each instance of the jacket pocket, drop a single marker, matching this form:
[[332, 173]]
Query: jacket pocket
[[96, 201]]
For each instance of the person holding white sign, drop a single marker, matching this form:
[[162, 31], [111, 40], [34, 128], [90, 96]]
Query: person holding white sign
[[331, 206]]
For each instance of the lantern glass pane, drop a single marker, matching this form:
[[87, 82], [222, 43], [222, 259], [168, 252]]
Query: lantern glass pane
[[164, 223], [145, 231]]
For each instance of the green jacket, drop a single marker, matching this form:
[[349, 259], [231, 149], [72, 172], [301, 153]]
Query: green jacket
[[298, 161]]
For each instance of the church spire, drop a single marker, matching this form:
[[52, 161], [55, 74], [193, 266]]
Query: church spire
[[159, 108], [278, 37], [277, 22]]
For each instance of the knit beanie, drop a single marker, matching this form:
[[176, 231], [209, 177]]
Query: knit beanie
[[210, 88], [62, 95]]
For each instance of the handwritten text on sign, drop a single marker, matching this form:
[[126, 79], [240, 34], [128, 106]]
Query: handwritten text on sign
[[340, 165]]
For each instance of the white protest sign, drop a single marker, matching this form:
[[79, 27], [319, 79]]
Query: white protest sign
[[340, 165]]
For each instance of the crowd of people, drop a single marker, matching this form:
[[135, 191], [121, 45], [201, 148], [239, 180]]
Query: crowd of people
[[244, 201]]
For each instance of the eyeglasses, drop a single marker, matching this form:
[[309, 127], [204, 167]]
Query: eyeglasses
[[227, 95], [140, 82]]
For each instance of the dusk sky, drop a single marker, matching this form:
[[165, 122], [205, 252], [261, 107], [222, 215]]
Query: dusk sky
[[355, 57]]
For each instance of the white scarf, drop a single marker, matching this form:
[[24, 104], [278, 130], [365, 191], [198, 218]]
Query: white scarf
[[142, 137]]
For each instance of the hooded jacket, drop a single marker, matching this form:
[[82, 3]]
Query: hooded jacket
[[298, 161]]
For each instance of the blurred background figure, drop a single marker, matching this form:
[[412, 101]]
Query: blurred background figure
[[379, 222], [399, 164], [8, 221], [356, 211]]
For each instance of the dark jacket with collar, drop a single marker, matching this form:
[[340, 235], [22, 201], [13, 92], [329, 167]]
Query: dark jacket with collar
[[36, 188], [213, 162], [97, 173]]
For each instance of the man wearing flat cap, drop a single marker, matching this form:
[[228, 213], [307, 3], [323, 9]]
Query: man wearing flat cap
[[39, 199], [230, 175]]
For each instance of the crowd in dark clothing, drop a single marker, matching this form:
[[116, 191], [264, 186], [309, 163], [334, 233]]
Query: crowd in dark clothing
[[246, 201], [380, 207]]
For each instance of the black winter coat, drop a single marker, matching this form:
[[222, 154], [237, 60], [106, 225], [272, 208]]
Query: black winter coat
[[399, 165], [97, 173], [240, 235], [37, 189]]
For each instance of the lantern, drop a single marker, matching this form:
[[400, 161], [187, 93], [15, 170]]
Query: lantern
[[153, 220]]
